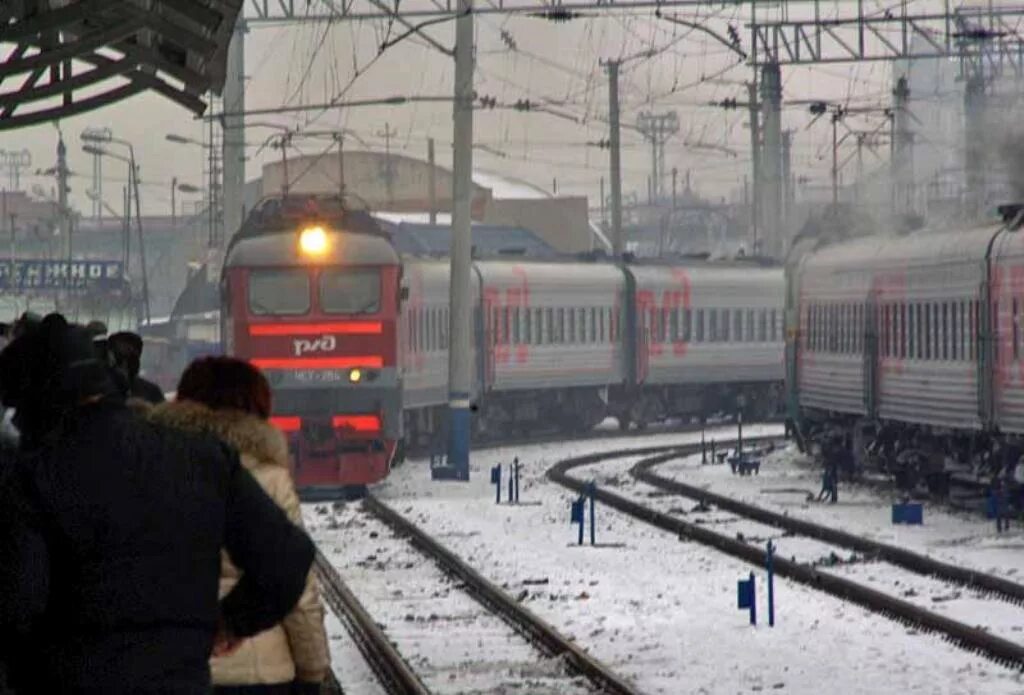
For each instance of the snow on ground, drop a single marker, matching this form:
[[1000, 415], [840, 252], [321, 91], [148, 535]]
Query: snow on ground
[[663, 612], [786, 476], [350, 668], [454, 644], [974, 608]]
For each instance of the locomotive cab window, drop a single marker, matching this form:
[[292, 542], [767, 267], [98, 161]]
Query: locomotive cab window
[[350, 291], [279, 292]]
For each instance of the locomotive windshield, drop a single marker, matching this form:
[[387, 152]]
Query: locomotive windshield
[[279, 292], [350, 291]]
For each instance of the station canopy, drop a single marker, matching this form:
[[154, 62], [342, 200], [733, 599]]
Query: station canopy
[[59, 58]]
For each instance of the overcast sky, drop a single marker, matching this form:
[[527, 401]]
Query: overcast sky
[[518, 58]]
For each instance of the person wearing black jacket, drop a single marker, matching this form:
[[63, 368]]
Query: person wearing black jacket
[[109, 578], [126, 349]]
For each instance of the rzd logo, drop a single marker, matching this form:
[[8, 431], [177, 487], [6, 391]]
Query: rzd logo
[[325, 343]]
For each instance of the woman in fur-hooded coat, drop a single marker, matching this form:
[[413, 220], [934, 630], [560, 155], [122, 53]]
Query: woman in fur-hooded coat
[[231, 399]]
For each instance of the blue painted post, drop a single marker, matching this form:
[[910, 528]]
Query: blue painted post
[[753, 601], [516, 464], [713, 458], [771, 586], [703, 447], [511, 483], [739, 435], [580, 503], [589, 492], [496, 481]]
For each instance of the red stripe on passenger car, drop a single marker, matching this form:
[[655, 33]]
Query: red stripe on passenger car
[[287, 424], [346, 328], [359, 423], [318, 362]]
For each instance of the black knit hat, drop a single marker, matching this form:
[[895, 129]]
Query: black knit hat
[[53, 365]]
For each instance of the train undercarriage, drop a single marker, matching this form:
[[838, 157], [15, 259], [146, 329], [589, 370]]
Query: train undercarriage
[[577, 410], [918, 459]]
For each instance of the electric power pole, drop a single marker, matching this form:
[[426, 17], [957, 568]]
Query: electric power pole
[[616, 165], [389, 172], [657, 129], [460, 320], [432, 181]]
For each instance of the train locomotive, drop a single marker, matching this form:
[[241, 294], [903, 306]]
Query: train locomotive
[[311, 295], [906, 349], [354, 339]]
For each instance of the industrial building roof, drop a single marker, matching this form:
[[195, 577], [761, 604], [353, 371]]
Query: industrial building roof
[[489, 241]]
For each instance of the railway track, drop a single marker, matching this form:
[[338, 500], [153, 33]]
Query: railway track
[[455, 630], [393, 673], [748, 546]]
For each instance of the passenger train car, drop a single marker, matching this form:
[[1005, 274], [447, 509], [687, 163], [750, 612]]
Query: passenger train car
[[914, 338], [355, 340]]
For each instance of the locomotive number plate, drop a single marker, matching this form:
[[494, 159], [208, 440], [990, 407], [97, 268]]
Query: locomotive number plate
[[319, 376]]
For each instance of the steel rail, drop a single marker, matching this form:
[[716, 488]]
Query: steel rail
[[392, 671], [901, 557], [524, 621], [969, 638]]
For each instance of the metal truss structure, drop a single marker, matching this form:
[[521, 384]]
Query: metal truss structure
[[286, 11], [986, 40], [59, 58]]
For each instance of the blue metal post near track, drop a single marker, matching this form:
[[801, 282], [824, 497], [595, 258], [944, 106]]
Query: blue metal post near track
[[496, 481], [753, 601], [771, 586], [591, 489], [515, 464], [511, 482]]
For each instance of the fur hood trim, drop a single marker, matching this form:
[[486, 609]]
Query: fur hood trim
[[249, 434]]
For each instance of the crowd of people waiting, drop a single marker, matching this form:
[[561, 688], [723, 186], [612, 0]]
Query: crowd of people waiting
[[147, 547]]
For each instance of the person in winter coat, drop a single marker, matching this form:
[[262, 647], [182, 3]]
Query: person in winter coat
[[231, 399], [126, 350], [110, 576]]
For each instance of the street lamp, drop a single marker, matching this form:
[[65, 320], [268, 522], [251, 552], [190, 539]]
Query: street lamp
[[133, 181], [184, 188]]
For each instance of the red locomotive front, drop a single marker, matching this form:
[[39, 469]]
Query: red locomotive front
[[311, 296]]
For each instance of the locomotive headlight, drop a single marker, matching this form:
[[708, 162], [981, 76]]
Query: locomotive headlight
[[313, 241], [355, 376]]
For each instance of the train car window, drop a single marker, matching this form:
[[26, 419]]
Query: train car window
[[581, 324], [687, 325], [890, 330], [847, 329], [775, 325], [279, 292], [737, 325], [929, 330], [903, 330], [350, 291], [516, 327], [749, 333], [762, 325], [954, 331], [560, 325], [444, 329], [593, 325], [572, 327], [945, 331], [699, 327], [912, 342], [723, 326], [965, 334]]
